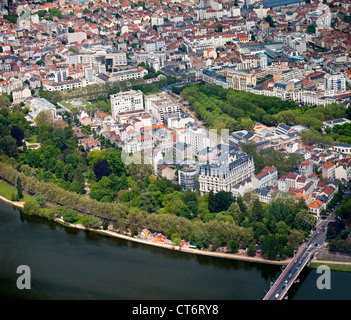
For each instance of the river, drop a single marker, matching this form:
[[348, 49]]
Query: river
[[74, 264]]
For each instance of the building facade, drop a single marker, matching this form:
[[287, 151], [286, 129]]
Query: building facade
[[126, 101], [223, 176], [187, 178]]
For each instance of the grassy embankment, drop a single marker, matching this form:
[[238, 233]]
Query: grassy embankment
[[333, 265], [6, 191]]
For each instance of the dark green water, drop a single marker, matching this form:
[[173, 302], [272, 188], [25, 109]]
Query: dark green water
[[72, 264]]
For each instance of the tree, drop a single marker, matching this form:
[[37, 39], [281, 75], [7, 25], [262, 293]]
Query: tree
[[176, 239], [4, 100], [270, 247], [41, 198], [172, 204], [8, 146], [102, 168], [311, 28], [295, 238], [115, 161], [222, 201], [256, 211], [233, 246], [19, 188], [251, 251], [40, 62], [236, 213], [247, 123], [249, 147], [202, 239], [44, 116], [269, 20], [282, 228], [304, 220], [91, 221], [18, 134], [211, 202], [147, 202], [70, 215], [59, 138], [216, 242], [56, 97], [31, 208]]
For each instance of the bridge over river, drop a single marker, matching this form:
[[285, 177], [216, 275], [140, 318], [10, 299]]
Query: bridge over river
[[302, 257]]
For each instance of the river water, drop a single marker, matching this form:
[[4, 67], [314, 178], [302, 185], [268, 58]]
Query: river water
[[74, 264]]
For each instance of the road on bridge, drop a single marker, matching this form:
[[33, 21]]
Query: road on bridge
[[302, 257]]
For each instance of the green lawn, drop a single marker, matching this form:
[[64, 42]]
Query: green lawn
[[7, 190], [336, 267], [32, 139], [79, 220]]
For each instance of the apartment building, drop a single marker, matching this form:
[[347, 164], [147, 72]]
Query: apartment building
[[305, 169], [334, 82], [240, 80], [111, 58], [137, 73], [224, 175], [291, 180], [282, 184], [266, 178], [328, 170], [126, 101], [66, 85], [162, 106], [343, 170], [195, 136]]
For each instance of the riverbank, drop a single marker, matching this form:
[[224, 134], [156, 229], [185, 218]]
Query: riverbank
[[333, 265], [334, 261], [18, 204], [185, 249]]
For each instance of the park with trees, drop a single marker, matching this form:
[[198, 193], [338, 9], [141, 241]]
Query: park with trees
[[232, 109]]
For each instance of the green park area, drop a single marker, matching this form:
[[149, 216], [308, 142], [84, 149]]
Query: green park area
[[75, 104], [7, 191]]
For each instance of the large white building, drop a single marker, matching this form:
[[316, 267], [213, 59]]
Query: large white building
[[126, 101], [195, 136], [137, 73], [229, 169], [161, 106], [113, 58], [36, 105], [334, 82]]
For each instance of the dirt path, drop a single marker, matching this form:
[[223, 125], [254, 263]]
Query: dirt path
[[15, 203]]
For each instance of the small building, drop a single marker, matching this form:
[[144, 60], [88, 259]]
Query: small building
[[187, 178]]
